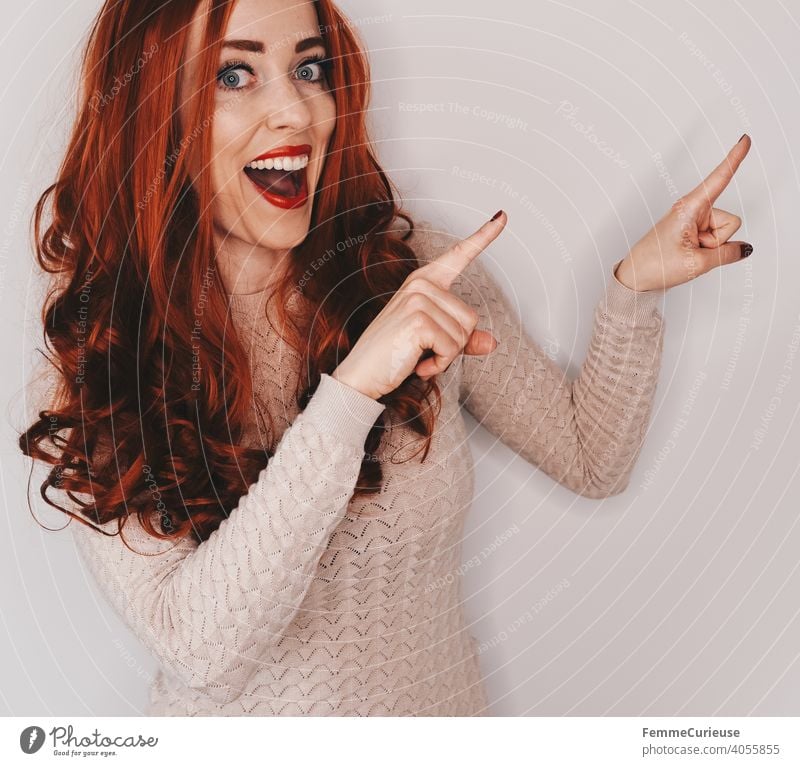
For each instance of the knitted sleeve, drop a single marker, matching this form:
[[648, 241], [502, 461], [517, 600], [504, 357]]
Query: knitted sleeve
[[207, 610], [585, 434]]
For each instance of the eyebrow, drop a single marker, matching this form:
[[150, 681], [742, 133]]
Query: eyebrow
[[253, 46]]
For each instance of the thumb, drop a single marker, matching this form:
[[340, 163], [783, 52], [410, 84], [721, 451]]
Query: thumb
[[730, 252], [480, 342]]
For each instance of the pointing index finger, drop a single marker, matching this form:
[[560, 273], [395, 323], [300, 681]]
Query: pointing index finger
[[444, 269], [721, 176]]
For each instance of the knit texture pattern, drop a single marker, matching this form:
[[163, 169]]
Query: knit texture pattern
[[300, 603]]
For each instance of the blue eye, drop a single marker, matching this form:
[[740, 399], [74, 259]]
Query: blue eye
[[230, 77], [314, 64]]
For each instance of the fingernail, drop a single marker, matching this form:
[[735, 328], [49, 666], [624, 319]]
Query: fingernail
[[496, 215], [740, 140], [746, 250]]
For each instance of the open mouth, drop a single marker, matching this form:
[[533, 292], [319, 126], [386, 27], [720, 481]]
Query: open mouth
[[281, 180]]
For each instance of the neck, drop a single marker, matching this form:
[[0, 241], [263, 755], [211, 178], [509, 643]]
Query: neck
[[246, 269]]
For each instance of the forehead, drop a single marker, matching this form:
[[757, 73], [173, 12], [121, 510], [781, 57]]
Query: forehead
[[277, 24]]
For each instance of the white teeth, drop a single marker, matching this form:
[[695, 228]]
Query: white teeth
[[280, 163]]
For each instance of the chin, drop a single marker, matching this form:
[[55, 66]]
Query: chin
[[283, 235]]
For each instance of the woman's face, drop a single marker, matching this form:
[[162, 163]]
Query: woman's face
[[271, 98]]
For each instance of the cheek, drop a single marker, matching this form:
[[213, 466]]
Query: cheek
[[229, 134], [323, 110]]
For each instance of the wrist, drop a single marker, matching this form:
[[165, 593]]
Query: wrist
[[342, 377], [623, 273]]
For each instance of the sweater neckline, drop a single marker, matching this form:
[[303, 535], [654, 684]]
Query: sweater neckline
[[248, 302], [249, 308]]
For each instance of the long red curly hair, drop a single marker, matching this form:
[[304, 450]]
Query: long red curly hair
[[130, 251]]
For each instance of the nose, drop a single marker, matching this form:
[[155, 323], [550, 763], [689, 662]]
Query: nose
[[285, 106]]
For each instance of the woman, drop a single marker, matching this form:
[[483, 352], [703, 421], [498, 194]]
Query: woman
[[260, 373]]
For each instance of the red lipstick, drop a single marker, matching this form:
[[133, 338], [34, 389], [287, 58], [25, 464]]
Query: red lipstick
[[279, 200], [285, 151]]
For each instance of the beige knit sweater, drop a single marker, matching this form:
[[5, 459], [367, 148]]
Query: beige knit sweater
[[297, 605]]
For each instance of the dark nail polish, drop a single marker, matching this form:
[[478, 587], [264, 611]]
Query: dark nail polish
[[740, 140], [746, 250], [496, 215]]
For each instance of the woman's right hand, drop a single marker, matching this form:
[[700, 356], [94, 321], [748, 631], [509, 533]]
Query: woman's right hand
[[421, 316]]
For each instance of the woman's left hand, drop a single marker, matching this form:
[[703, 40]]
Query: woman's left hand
[[692, 238]]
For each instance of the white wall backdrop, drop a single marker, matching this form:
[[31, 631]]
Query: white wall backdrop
[[584, 121]]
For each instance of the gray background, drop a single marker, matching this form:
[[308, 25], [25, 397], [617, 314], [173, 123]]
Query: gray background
[[678, 597]]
